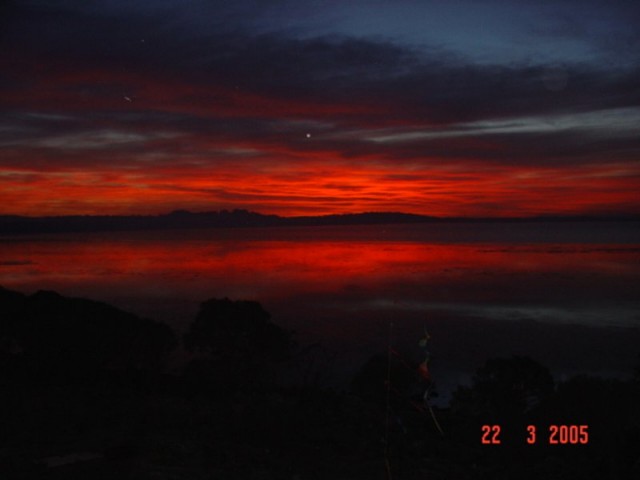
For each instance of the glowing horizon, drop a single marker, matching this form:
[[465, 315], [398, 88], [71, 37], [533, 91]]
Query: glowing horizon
[[280, 115]]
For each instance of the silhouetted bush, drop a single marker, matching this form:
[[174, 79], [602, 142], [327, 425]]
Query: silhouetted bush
[[237, 327], [11, 305], [58, 336], [236, 345]]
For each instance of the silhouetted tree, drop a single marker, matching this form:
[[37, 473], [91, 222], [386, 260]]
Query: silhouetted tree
[[236, 344]]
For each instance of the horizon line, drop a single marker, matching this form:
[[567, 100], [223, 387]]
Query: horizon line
[[613, 215]]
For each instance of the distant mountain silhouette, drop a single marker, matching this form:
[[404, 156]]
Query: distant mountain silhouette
[[183, 219]]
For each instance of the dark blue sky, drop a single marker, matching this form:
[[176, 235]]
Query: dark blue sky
[[490, 32]]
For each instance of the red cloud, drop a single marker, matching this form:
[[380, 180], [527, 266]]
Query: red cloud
[[107, 164]]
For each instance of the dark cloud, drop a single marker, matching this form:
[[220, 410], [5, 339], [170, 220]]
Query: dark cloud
[[401, 84]]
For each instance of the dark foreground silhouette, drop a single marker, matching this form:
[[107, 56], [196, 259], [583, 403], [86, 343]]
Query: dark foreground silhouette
[[86, 394]]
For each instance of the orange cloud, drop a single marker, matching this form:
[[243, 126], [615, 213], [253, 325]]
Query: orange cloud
[[319, 187]]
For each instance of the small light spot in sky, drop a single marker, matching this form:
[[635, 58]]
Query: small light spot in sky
[[308, 135], [127, 98]]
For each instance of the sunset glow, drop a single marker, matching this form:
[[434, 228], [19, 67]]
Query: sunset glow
[[165, 113]]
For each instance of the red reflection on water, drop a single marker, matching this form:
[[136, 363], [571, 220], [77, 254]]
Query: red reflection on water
[[301, 265], [205, 264]]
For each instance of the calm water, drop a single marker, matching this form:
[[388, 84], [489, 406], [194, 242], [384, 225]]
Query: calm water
[[568, 294]]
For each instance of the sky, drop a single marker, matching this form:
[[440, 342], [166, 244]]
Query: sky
[[310, 107]]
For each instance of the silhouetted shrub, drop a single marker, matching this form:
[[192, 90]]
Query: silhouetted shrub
[[236, 344], [11, 305], [77, 337]]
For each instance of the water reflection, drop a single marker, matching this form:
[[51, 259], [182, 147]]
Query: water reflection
[[361, 272], [343, 285]]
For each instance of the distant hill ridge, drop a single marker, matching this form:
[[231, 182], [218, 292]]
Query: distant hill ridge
[[183, 219]]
